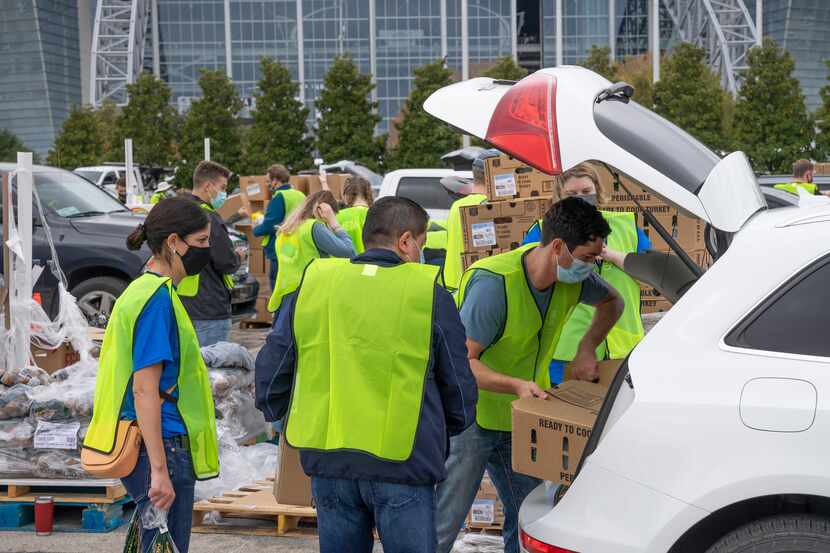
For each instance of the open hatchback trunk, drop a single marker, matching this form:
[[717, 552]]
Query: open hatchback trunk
[[557, 118]]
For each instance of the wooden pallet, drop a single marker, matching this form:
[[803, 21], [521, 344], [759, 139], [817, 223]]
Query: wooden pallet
[[62, 491], [255, 501], [491, 530], [70, 516]]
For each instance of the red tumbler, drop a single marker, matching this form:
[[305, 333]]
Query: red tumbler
[[44, 515]]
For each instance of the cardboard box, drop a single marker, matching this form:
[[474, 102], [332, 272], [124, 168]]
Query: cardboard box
[[254, 242], [468, 258], [509, 178], [257, 262], [501, 225], [56, 359], [255, 188], [291, 485], [487, 510], [549, 436], [309, 184], [607, 371], [262, 314], [232, 205]]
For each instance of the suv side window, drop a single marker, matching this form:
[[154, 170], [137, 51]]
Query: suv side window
[[425, 191], [794, 319]]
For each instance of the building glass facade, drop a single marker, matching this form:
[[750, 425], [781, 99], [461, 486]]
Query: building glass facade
[[40, 64]]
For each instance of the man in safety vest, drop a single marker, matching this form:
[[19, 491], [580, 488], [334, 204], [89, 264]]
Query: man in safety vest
[[802, 178], [207, 296], [284, 200], [455, 233], [514, 307], [367, 358]]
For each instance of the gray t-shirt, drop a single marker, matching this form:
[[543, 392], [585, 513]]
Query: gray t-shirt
[[484, 310], [330, 243]]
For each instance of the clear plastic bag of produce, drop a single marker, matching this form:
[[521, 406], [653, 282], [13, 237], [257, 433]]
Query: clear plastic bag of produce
[[16, 433], [224, 381], [15, 402], [238, 466], [237, 413], [68, 399], [225, 355], [59, 463], [16, 463], [479, 543]]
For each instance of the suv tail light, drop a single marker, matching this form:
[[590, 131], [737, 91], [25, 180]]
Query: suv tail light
[[524, 123], [532, 545]]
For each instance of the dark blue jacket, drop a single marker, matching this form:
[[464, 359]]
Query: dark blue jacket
[[274, 215], [449, 401]]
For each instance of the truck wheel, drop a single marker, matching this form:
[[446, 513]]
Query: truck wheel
[[96, 298], [780, 534]]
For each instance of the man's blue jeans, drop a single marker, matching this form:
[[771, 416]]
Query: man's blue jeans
[[180, 515], [470, 453], [211, 332], [347, 510]]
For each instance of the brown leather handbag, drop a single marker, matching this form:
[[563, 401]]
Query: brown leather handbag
[[121, 461]]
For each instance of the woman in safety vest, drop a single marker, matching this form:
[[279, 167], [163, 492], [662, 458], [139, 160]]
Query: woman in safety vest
[[310, 232], [582, 181], [151, 370], [357, 195]]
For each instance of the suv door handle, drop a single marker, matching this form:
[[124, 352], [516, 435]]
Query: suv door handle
[[778, 404]]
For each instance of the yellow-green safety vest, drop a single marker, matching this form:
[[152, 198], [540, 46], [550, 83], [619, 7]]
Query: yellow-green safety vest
[[455, 240], [529, 337], [628, 331], [352, 220], [360, 374], [436, 235], [156, 198], [189, 285], [292, 200], [294, 252], [115, 370], [792, 187]]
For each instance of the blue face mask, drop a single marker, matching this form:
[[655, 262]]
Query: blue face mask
[[577, 272], [219, 200], [423, 259]]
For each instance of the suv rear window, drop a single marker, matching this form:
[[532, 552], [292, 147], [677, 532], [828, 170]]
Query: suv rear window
[[657, 142], [794, 319], [428, 192]]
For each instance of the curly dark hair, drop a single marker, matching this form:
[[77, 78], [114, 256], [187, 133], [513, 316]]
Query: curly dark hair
[[574, 221]]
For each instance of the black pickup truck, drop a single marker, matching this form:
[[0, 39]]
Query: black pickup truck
[[89, 229]]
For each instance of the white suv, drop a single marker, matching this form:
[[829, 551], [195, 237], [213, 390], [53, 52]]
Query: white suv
[[714, 434]]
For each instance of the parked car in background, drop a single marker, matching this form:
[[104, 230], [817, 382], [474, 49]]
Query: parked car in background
[[105, 176], [711, 437], [424, 187], [89, 230]]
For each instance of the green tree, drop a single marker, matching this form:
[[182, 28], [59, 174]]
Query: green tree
[[79, 142], [422, 139], [107, 116], [10, 144], [823, 121], [506, 69], [599, 61], [772, 124], [149, 120], [278, 133], [213, 116], [346, 126], [689, 95], [636, 71]]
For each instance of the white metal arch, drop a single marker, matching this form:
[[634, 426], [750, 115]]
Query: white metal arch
[[117, 48], [723, 28]]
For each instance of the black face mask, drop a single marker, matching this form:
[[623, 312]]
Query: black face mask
[[590, 198], [195, 259]]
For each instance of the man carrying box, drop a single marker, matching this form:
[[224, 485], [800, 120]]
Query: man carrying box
[[372, 392], [514, 306], [283, 201], [455, 233]]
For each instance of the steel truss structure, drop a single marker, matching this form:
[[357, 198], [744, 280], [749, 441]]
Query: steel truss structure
[[117, 57]]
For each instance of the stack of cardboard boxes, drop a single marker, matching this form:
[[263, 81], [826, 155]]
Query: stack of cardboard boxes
[[487, 512], [686, 230], [517, 197], [255, 193]]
